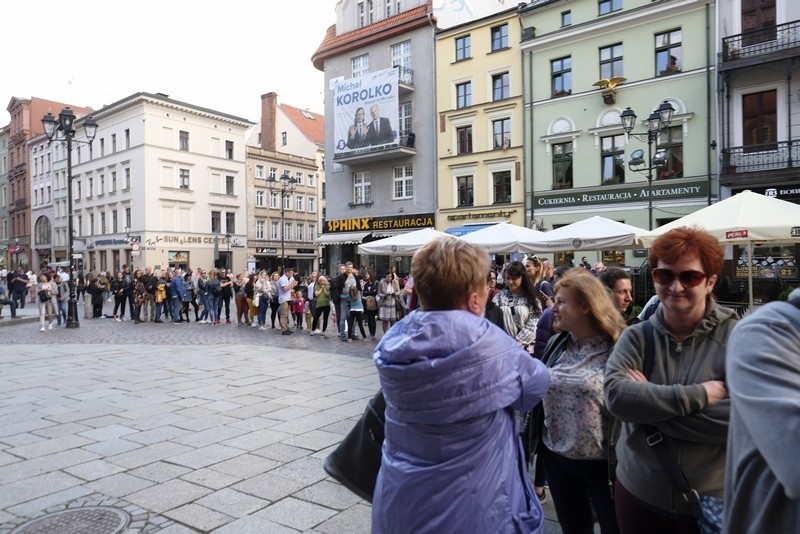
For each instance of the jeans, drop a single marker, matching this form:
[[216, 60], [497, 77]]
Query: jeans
[[263, 306], [177, 305], [344, 314], [213, 308], [19, 296], [372, 324], [324, 311], [227, 302], [204, 301], [159, 309], [62, 311]]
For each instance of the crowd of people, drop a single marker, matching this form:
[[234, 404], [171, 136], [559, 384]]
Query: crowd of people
[[609, 405]]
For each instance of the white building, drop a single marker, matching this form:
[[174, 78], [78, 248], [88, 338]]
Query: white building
[[163, 184]]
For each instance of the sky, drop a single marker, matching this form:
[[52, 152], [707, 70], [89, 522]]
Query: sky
[[218, 55]]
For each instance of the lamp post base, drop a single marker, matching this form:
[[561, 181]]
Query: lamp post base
[[72, 314]]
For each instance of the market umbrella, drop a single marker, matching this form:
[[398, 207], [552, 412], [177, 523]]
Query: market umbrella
[[594, 233], [401, 244], [742, 219], [502, 238]]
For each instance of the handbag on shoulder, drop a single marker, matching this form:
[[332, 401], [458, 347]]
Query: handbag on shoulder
[[356, 461]]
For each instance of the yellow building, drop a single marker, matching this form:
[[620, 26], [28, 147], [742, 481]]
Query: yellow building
[[479, 103]]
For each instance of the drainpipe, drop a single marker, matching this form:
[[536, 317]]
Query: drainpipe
[[709, 90], [789, 67], [436, 121]]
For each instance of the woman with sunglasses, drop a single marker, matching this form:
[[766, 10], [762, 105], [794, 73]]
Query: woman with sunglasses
[[683, 399]]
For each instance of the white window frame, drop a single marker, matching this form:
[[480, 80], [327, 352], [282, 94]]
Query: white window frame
[[311, 204], [259, 171], [261, 198], [298, 178], [300, 231], [273, 231], [287, 202], [404, 179], [287, 231], [359, 65], [259, 229], [273, 200], [362, 187], [312, 232], [299, 203]]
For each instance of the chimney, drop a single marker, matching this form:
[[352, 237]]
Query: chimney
[[269, 105]]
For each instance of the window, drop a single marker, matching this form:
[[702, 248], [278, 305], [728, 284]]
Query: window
[[566, 18], [360, 65], [362, 14], [502, 186], [77, 189], [216, 222], [607, 6], [273, 230], [671, 140], [401, 59], [464, 140], [463, 95], [113, 181], [128, 217], [760, 120], [127, 138], [113, 143], [259, 229], [370, 11], [613, 160], [260, 198], [311, 180], [403, 182], [611, 61], [299, 203], [501, 133], [562, 166], [229, 185], [311, 204], [463, 48], [287, 202], [230, 223], [127, 178], [273, 200], [312, 232], [102, 147], [229, 149], [287, 230], [499, 37], [500, 86], [114, 227], [259, 171], [298, 178], [466, 195], [561, 76], [102, 184], [184, 178], [300, 231], [184, 141], [362, 187], [273, 173], [284, 138], [90, 184], [103, 227], [404, 120], [669, 54]]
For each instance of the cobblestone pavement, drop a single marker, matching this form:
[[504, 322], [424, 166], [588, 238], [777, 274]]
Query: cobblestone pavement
[[188, 428]]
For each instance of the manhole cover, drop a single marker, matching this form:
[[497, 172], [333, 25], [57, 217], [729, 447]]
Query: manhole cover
[[90, 520]]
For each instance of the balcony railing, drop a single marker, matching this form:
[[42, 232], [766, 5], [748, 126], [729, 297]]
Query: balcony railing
[[766, 157], [758, 43], [406, 75]]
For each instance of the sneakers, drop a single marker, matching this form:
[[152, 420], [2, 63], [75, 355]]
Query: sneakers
[[228, 321], [50, 327], [262, 328], [41, 329], [317, 331]]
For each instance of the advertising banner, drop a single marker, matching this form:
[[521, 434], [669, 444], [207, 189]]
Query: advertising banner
[[366, 112]]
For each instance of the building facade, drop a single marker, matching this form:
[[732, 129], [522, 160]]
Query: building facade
[[162, 185], [759, 126], [7, 245], [480, 136], [380, 136], [584, 64]]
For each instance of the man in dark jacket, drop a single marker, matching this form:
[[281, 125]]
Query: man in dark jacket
[[341, 288]]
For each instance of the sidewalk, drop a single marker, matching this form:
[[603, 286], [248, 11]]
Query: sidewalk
[[228, 438]]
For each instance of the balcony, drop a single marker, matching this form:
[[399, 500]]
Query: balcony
[[374, 154], [406, 79], [756, 47], [767, 161]]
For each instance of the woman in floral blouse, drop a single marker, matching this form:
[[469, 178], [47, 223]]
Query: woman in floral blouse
[[576, 421]]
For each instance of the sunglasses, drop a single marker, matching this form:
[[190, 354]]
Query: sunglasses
[[687, 278]]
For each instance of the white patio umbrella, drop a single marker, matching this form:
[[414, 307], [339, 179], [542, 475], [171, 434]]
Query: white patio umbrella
[[742, 219], [402, 244], [504, 237], [594, 233]]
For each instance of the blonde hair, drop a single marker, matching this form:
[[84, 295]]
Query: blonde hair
[[590, 292], [446, 270]]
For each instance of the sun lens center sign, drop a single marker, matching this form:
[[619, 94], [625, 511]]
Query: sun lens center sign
[[366, 112]]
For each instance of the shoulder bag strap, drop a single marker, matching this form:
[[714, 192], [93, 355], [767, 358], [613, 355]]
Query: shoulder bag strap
[[659, 443]]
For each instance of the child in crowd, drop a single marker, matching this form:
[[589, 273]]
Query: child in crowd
[[308, 314], [298, 308]]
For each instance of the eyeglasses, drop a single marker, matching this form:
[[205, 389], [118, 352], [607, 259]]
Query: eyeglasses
[[687, 278]]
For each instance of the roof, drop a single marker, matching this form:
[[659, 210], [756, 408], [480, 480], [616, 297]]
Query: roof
[[311, 124], [333, 44]]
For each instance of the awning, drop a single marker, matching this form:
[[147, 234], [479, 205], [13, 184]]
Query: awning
[[466, 229], [380, 234], [341, 239]]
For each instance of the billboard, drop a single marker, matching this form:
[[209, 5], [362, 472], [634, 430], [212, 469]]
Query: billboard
[[451, 13], [365, 111]]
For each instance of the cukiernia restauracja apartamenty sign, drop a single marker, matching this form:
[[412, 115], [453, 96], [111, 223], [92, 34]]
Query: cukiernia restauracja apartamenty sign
[[634, 193]]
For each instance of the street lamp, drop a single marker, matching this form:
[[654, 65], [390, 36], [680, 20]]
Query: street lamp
[[228, 260], [656, 122], [64, 124], [286, 185]]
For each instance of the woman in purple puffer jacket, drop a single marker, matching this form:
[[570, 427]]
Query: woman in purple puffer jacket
[[452, 457]]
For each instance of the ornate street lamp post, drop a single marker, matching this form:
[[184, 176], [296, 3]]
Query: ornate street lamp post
[[286, 186], [656, 123], [64, 124]]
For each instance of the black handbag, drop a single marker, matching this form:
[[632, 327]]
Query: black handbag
[[356, 461]]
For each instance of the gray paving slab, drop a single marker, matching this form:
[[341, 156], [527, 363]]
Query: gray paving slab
[[233, 503], [294, 513], [199, 517], [171, 494]]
